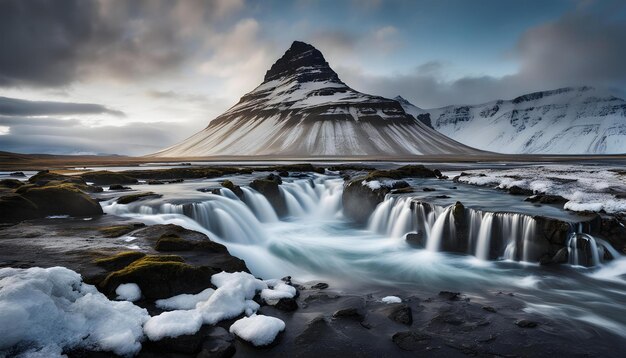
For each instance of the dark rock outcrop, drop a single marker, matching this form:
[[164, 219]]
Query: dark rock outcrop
[[269, 188], [359, 201]]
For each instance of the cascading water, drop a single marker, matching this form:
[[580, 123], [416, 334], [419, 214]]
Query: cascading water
[[486, 235]]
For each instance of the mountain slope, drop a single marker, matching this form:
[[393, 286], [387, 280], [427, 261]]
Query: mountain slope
[[302, 108], [419, 114], [581, 120]]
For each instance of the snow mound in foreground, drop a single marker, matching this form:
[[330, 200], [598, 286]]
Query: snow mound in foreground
[[46, 310], [258, 329], [128, 292], [232, 298]]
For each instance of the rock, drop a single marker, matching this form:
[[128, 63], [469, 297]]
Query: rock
[[234, 188], [400, 184], [320, 286], [161, 277], [218, 344], [155, 182], [314, 330], [200, 250], [44, 177], [561, 257], [283, 173], [524, 323], [516, 190], [546, 199], [118, 187], [127, 199], [119, 230], [400, 313], [359, 201], [11, 183], [18, 174], [119, 261], [452, 296], [57, 199], [350, 313], [411, 340], [287, 304], [104, 177], [489, 309], [417, 239], [269, 189], [429, 189], [173, 242], [14, 208]]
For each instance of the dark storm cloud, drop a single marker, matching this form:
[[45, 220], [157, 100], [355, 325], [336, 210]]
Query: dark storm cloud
[[21, 107], [27, 135], [54, 42], [584, 47]]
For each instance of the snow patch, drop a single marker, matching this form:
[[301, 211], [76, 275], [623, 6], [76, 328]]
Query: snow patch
[[391, 299], [184, 301], [128, 292], [257, 329], [46, 311]]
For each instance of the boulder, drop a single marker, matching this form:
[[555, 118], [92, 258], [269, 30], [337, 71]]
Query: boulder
[[234, 188], [516, 190], [411, 340], [119, 187], [161, 277], [360, 201], [11, 183], [45, 176], [173, 242], [269, 188], [119, 230], [417, 239], [127, 199], [14, 208], [60, 199], [104, 177], [400, 313]]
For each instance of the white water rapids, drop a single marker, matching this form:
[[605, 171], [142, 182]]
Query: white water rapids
[[316, 242]]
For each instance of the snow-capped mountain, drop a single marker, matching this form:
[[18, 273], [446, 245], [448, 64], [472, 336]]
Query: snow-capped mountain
[[419, 114], [302, 108], [581, 120]]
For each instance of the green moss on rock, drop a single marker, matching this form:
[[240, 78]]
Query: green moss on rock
[[127, 199], [119, 261], [161, 277]]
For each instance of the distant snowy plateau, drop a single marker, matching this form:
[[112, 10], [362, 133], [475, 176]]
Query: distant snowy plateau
[[581, 120]]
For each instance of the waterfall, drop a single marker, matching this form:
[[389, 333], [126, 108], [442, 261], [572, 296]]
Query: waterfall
[[438, 231], [259, 205], [239, 221], [485, 235]]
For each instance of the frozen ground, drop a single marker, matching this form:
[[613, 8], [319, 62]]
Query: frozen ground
[[587, 188]]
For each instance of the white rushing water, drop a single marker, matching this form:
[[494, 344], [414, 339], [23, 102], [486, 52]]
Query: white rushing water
[[314, 241]]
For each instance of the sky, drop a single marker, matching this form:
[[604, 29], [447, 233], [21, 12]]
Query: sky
[[132, 77]]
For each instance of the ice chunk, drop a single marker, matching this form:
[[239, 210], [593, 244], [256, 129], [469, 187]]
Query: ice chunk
[[50, 310], [279, 290], [184, 301], [173, 324], [391, 299], [257, 329], [128, 292]]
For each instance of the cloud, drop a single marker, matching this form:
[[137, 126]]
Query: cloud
[[177, 96], [59, 136], [56, 42], [586, 46], [21, 107]]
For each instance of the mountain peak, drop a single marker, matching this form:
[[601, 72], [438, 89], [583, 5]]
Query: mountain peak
[[303, 61]]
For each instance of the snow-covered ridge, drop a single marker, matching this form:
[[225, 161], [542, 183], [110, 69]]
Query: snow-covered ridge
[[580, 120], [303, 109]]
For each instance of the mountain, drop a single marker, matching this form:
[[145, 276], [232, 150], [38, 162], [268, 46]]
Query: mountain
[[420, 114], [303, 109], [579, 120]]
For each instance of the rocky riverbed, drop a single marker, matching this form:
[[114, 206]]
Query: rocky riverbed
[[144, 234]]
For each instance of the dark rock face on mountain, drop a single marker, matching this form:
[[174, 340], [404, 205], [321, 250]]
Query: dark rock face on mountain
[[573, 120], [303, 109]]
